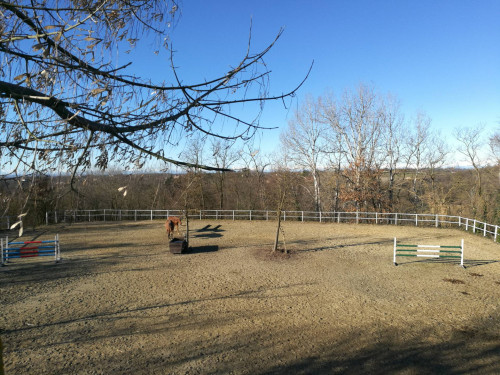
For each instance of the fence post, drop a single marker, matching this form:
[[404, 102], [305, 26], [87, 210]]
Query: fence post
[[484, 224], [338, 217], [376, 217], [394, 256], [302, 215], [46, 218], [396, 220], [357, 217], [496, 232], [104, 214], [466, 224], [151, 215], [474, 227], [250, 215], [462, 254], [320, 217], [437, 221], [55, 216], [416, 220], [267, 215], [459, 221]]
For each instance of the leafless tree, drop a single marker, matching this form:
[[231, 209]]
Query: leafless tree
[[495, 149], [416, 148], [194, 154], [355, 120], [223, 157], [393, 135], [255, 166], [64, 101], [495, 146], [470, 143], [305, 142]]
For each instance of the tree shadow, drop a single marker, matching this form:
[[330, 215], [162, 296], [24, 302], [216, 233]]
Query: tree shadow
[[415, 356], [202, 249], [340, 246], [208, 232]]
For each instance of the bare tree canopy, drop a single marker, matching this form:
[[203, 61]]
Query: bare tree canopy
[[64, 100]]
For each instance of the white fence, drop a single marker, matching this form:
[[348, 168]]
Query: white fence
[[472, 225]]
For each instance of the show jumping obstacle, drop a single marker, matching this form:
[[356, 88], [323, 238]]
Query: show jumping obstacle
[[429, 251], [29, 249]]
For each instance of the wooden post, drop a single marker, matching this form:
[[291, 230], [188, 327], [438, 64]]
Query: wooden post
[[187, 228], [276, 239]]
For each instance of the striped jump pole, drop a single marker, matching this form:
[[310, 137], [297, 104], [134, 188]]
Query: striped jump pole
[[429, 251], [29, 249]]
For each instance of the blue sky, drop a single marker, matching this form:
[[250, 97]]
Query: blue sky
[[439, 57]]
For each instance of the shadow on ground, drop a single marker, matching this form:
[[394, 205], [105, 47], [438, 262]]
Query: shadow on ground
[[202, 249], [208, 232]]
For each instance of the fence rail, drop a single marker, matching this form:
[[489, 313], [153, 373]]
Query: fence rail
[[467, 224]]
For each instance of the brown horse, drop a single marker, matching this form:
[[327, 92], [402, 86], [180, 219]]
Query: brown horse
[[172, 223]]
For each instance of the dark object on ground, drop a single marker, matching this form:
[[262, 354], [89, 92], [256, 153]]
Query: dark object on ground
[[178, 246]]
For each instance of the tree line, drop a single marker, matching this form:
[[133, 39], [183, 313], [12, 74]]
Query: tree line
[[444, 191]]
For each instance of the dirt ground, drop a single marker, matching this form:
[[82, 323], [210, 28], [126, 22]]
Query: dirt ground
[[121, 303]]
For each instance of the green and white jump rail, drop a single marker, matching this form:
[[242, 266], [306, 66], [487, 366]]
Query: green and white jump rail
[[429, 251]]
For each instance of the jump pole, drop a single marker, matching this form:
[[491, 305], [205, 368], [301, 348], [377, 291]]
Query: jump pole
[[428, 251], [25, 250]]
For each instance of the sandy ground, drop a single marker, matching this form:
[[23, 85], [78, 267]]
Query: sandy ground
[[121, 303]]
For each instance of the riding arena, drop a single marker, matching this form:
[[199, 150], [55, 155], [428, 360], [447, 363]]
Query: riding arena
[[119, 301]]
